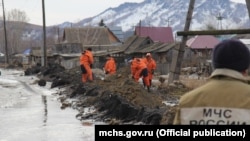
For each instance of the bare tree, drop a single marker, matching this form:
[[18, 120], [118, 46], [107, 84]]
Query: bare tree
[[53, 37], [16, 20], [2, 49], [210, 24], [17, 15]]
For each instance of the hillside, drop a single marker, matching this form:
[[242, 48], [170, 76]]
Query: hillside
[[220, 14]]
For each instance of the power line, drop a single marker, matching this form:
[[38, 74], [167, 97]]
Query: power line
[[219, 18]]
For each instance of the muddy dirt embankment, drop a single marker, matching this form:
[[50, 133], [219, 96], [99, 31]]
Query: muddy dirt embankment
[[115, 99]]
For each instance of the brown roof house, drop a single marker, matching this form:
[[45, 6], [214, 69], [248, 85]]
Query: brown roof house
[[99, 38], [162, 53], [77, 39], [134, 43], [157, 34], [136, 46], [127, 49]]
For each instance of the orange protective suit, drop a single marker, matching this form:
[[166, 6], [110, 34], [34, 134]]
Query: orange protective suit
[[110, 66], [133, 67], [87, 60], [141, 71], [151, 65]]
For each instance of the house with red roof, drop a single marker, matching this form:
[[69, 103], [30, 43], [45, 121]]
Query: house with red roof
[[202, 42], [198, 50], [157, 34]]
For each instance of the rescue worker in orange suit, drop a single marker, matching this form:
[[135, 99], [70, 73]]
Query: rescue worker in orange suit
[[110, 65], [86, 62], [133, 66], [151, 65], [140, 70]]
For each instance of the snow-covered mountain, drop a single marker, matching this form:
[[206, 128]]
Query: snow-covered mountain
[[220, 14], [223, 14]]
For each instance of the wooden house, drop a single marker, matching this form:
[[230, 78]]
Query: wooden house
[[136, 46], [67, 54], [125, 51], [199, 50], [98, 38], [162, 53], [75, 40], [31, 57]]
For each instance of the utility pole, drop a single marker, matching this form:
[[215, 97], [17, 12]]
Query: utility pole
[[58, 30], [248, 7], [44, 50], [175, 67], [5, 37], [168, 22], [219, 24], [176, 62]]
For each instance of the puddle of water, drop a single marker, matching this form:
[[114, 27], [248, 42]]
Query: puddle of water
[[41, 119], [32, 113]]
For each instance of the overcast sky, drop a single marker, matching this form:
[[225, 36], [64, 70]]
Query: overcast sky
[[59, 11]]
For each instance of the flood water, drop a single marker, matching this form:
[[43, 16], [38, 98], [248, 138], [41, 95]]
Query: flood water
[[29, 112]]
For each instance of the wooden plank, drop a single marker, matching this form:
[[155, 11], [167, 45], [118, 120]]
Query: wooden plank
[[213, 32]]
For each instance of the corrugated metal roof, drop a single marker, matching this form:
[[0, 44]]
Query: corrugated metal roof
[[165, 47], [157, 34], [90, 36], [140, 42], [135, 44], [128, 42], [202, 42], [149, 48], [118, 32]]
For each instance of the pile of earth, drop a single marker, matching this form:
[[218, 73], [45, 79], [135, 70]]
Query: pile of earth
[[115, 99]]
